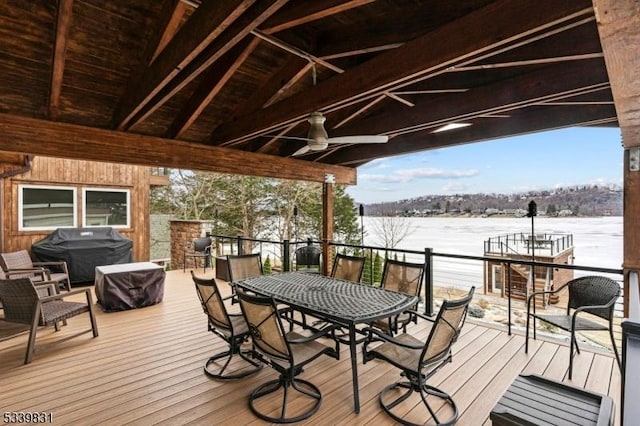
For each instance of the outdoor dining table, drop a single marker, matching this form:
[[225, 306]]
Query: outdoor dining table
[[339, 302]]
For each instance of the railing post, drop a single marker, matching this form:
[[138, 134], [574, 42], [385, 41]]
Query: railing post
[[509, 297], [240, 248], [428, 281], [286, 262]]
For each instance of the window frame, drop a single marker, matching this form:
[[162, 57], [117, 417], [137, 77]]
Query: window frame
[[105, 189], [21, 188]]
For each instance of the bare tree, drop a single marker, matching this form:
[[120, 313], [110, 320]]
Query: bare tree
[[389, 231]]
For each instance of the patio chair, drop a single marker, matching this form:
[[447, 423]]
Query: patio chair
[[244, 266], [308, 259], [43, 287], [348, 268], [23, 305], [200, 248], [592, 295], [288, 354], [232, 328], [402, 277], [19, 264], [419, 360]]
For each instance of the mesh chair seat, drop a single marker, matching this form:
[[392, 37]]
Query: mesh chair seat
[[564, 322]]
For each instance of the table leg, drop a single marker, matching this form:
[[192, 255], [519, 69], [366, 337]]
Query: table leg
[[354, 367]]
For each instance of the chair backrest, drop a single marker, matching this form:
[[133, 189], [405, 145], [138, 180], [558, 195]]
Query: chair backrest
[[348, 267], [212, 303], [244, 266], [202, 245], [593, 290], [446, 328], [19, 299], [16, 260], [402, 277], [307, 256], [265, 326]]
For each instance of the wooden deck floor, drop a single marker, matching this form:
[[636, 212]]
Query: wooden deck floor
[[146, 368]]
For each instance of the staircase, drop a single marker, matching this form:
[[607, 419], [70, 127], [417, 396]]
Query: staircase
[[520, 279]]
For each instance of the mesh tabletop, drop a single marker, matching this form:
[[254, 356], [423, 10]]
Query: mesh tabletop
[[348, 301]]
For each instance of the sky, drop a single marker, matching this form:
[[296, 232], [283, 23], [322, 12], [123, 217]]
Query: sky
[[544, 160]]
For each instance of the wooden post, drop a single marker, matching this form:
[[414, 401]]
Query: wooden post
[[327, 226], [619, 29]]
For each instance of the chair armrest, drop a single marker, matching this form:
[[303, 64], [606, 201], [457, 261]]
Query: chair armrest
[[418, 314], [383, 337], [61, 263], [42, 271], [70, 293], [51, 286]]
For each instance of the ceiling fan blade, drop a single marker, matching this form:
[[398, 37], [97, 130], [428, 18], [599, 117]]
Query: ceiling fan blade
[[360, 139], [301, 151], [294, 138]]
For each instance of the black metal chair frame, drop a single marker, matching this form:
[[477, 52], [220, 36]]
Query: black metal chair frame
[[582, 300], [200, 249], [229, 327], [418, 375], [284, 363]]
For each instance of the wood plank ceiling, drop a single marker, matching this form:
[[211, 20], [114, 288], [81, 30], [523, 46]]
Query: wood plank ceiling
[[236, 76]]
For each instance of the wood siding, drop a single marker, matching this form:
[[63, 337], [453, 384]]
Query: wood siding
[[78, 174]]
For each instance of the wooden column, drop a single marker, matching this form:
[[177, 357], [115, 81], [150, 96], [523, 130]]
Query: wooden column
[[619, 29], [327, 226]]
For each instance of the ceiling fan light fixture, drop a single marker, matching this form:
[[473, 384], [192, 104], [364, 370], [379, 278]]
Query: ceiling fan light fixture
[[450, 126], [317, 135]]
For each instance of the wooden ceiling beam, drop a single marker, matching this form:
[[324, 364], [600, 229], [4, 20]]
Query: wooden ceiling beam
[[234, 34], [536, 86], [63, 22], [519, 19], [619, 28], [541, 119], [206, 24], [170, 19], [33, 136], [213, 82], [300, 13]]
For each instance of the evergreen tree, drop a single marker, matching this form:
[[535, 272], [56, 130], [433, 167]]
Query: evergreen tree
[[266, 266], [367, 274], [377, 268]]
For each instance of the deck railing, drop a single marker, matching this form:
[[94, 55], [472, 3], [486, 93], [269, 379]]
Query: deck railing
[[444, 270]]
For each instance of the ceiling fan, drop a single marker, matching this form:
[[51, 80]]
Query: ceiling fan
[[318, 139]]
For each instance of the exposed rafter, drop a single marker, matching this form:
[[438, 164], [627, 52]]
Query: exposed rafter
[[65, 11], [395, 67]]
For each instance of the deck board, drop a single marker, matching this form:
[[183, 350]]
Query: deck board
[[146, 368]]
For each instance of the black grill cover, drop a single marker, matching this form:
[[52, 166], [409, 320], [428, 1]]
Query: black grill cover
[[83, 249]]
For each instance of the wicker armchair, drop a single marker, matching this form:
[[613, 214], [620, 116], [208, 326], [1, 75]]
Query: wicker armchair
[[200, 248], [288, 354], [232, 328], [405, 278], [348, 268], [593, 295], [19, 264], [308, 258], [23, 305], [419, 360]]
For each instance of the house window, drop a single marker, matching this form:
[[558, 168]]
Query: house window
[[46, 207], [106, 207]]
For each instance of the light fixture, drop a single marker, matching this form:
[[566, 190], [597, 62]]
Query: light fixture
[[451, 126]]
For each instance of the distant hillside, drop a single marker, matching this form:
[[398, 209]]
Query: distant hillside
[[588, 200]]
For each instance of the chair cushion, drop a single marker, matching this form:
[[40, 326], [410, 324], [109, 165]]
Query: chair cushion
[[564, 322], [58, 310]]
